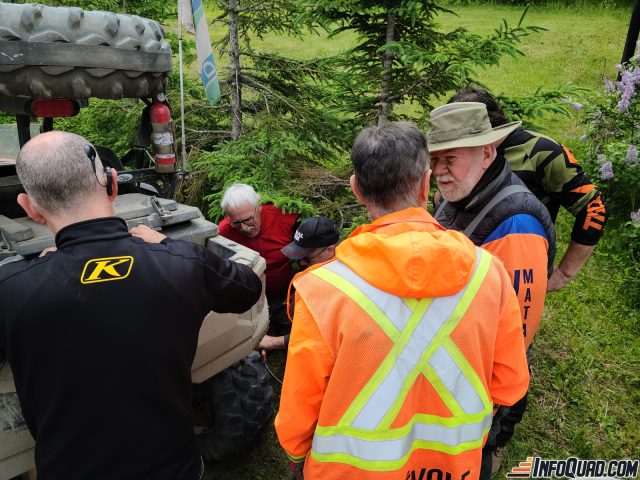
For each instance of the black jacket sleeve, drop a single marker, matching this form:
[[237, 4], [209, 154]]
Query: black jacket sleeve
[[590, 221], [230, 287]]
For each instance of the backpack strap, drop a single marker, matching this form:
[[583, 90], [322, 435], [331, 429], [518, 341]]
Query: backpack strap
[[501, 195], [443, 203]]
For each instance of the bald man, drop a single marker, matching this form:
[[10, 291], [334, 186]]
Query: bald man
[[101, 333]]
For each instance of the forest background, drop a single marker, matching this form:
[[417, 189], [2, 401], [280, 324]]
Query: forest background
[[299, 81]]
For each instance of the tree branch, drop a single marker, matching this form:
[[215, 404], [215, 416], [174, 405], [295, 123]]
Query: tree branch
[[387, 64]]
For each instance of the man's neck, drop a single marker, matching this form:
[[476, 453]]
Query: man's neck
[[55, 223], [375, 212]]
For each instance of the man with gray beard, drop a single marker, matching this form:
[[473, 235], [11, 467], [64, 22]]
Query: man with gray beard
[[484, 199]]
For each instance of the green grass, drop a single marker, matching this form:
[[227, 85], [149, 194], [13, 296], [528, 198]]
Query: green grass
[[585, 388], [582, 45], [579, 46]]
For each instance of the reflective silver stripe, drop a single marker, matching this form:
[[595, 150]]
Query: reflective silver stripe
[[390, 450], [393, 307], [387, 392], [385, 395], [454, 379]]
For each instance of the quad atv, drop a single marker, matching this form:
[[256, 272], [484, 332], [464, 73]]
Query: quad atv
[[53, 60]]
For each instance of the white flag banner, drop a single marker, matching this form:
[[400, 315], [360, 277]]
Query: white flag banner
[[206, 62], [187, 16]]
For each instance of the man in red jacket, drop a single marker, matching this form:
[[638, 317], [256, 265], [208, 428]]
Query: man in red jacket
[[265, 229]]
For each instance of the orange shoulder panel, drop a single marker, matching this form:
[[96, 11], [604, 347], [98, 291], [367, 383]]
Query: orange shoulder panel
[[524, 256]]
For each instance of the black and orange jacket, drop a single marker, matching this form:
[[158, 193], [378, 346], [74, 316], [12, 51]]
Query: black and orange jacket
[[551, 172]]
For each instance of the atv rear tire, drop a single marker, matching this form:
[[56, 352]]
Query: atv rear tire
[[240, 400], [66, 52]]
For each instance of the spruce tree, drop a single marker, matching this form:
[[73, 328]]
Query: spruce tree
[[402, 55], [277, 126]]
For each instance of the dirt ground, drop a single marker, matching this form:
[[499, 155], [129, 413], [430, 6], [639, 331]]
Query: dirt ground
[[266, 461]]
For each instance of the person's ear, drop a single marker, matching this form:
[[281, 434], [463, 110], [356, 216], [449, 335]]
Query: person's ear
[[332, 250], [356, 190], [114, 184], [424, 189], [488, 155], [31, 208]]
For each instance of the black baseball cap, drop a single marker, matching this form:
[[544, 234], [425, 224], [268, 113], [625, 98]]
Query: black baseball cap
[[313, 233]]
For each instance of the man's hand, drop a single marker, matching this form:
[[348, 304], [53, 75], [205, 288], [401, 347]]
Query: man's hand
[[271, 343], [573, 260], [297, 470], [147, 234], [244, 257], [47, 250], [557, 280]]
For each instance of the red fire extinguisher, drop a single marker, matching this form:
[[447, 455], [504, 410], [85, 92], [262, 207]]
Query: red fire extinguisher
[[164, 146]]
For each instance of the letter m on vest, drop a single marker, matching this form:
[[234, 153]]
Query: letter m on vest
[[369, 436]]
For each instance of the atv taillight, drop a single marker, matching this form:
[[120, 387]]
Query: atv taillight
[[54, 108]]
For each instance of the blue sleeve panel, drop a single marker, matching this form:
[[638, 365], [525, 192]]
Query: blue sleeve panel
[[520, 223]]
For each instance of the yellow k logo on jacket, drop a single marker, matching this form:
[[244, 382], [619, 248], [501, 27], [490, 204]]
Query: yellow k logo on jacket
[[106, 269]]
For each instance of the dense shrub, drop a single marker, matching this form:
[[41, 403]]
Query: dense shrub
[[106, 122], [555, 3], [159, 10], [612, 118]]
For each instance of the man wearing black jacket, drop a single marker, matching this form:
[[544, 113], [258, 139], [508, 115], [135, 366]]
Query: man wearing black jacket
[[101, 333]]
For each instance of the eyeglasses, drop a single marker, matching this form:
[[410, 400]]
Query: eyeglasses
[[309, 258], [247, 222]]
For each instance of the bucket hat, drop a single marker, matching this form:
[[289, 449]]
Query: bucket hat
[[463, 124]]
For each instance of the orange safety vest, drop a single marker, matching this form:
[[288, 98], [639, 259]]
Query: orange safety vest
[[380, 385]]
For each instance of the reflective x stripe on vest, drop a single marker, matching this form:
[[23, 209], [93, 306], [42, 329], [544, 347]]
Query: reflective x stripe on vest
[[420, 331]]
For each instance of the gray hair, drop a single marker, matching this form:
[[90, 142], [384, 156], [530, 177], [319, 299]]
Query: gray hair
[[237, 195], [390, 162], [56, 172]]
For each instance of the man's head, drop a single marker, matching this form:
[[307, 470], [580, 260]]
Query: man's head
[[473, 93], [391, 164], [463, 146], [314, 242], [64, 179], [242, 204]]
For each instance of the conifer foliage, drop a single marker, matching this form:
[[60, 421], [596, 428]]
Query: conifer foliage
[[285, 125], [278, 125], [402, 56], [159, 10]]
